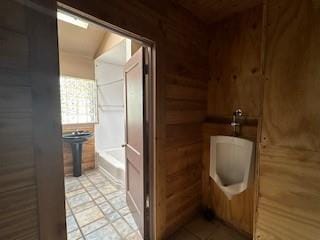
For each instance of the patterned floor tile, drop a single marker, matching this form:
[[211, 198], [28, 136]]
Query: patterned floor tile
[[75, 235], [118, 202], [79, 199], [97, 179], [94, 226], [95, 194], [106, 207], [68, 212], [124, 211], [82, 207], [97, 210], [113, 216], [130, 220], [70, 179], [90, 187], [71, 224], [104, 233], [74, 193], [107, 189], [86, 184], [83, 178], [100, 200], [88, 216], [134, 236], [122, 227], [102, 184], [115, 194], [72, 186]]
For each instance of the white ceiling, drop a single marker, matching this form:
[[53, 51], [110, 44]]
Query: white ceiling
[[80, 41]]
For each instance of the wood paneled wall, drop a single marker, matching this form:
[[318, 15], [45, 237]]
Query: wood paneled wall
[[289, 190], [235, 65], [289, 194], [88, 149], [182, 76], [277, 84], [210, 11], [31, 148], [236, 82]]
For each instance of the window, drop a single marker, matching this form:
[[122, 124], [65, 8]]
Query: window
[[78, 100]]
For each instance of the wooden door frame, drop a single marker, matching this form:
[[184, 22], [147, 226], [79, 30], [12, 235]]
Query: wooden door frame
[[149, 108]]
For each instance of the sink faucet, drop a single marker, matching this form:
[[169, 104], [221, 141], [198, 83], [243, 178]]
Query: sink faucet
[[235, 122]]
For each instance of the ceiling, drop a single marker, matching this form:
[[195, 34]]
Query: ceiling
[[210, 11], [80, 41]]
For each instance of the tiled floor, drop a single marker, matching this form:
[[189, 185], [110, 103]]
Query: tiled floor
[[96, 209], [200, 229]]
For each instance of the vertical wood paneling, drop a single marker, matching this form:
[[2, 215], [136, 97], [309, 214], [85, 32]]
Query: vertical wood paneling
[[182, 76], [289, 195], [291, 112], [46, 132], [88, 151], [18, 193], [214, 10], [236, 82], [186, 93], [235, 65], [31, 174]]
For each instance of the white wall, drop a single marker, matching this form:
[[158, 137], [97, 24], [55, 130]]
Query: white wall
[[109, 132], [75, 65]]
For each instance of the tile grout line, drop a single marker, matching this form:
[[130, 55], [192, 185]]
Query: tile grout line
[[96, 188], [107, 200], [74, 216], [93, 200], [95, 204]]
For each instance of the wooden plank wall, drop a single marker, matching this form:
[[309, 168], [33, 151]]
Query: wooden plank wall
[[31, 157], [31, 150], [182, 76], [236, 82], [235, 65], [88, 149], [289, 190]]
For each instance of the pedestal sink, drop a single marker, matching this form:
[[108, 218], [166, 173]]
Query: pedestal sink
[[76, 139]]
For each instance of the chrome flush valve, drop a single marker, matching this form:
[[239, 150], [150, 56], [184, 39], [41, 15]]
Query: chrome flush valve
[[238, 112], [235, 123]]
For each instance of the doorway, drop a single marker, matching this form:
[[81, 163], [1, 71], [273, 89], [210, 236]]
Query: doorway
[[106, 93]]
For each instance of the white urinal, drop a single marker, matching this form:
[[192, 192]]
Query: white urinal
[[231, 161]]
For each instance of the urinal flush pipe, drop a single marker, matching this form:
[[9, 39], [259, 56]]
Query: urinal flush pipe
[[235, 122]]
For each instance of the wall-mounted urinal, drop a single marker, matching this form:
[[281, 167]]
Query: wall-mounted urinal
[[231, 161]]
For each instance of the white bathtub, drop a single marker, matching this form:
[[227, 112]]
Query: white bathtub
[[112, 162]]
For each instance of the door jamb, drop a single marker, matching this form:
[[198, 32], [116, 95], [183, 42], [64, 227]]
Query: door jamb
[[150, 108]]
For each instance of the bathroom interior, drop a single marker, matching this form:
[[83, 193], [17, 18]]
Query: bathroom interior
[[217, 132], [237, 119], [92, 63]]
